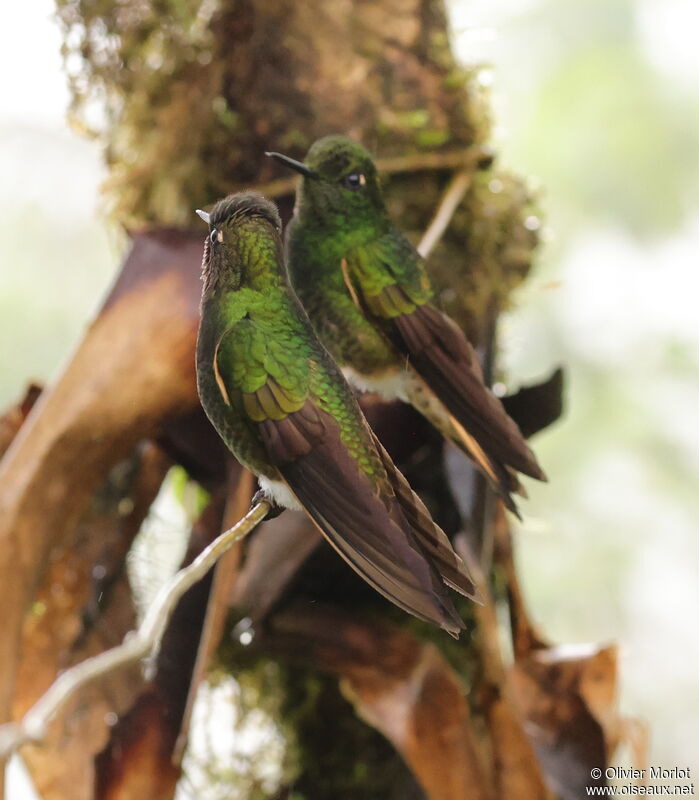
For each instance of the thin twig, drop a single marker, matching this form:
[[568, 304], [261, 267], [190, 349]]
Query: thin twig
[[453, 195], [467, 158], [137, 644]]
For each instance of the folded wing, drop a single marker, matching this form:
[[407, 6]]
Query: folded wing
[[391, 284], [358, 513]]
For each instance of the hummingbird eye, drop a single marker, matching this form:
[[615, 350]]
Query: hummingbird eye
[[213, 236], [354, 180]]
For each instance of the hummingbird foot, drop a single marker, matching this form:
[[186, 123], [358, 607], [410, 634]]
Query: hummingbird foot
[[274, 510]]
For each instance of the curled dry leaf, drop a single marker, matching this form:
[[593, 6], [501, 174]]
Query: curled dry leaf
[[567, 697], [55, 636], [404, 688], [131, 372]]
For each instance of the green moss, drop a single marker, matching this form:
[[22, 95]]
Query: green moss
[[329, 751], [193, 93], [340, 756], [413, 119], [457, 79], [487, 250], [432, 139]]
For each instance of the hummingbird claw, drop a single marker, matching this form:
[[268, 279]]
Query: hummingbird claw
[[274, 510]]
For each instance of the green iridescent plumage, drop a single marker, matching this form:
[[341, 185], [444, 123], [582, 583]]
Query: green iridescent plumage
[[367, 292], [283, 408]]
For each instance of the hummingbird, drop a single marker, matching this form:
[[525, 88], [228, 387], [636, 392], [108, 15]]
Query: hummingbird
[[283, 408], [369, 297]]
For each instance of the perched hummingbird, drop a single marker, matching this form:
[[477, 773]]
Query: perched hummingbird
[[367, 292], [281, 405]]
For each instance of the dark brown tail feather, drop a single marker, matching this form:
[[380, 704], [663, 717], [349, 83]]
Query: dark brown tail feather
[[442, 355], [362, 525], [430, 537]]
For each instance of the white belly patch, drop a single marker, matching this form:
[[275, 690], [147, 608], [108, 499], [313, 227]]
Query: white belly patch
[[389, 385], [279, 493]]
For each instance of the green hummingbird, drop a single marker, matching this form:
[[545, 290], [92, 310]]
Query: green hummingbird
[[367, 292], [283, 408]]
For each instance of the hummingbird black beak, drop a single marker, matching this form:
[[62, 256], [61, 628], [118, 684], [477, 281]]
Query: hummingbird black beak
[[203, 215], [297, 166]]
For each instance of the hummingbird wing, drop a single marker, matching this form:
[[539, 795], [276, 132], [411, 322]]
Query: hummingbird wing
[[395, 292], [433, 540], [352, 504]]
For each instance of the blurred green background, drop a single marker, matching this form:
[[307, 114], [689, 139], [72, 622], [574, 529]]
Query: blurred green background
[[597, 101]]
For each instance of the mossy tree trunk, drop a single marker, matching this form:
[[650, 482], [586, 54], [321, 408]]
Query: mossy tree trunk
[[194, 93]]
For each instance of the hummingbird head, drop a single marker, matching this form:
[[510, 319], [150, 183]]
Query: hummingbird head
[[339, 181], [244, 230]]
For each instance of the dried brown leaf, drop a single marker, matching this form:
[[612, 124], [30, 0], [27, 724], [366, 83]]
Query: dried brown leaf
[[405, 689], [54, 636], [132, 371]]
